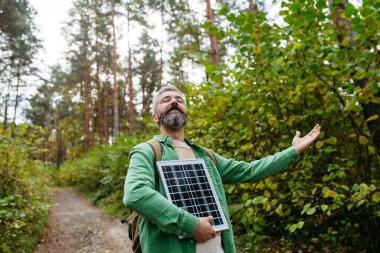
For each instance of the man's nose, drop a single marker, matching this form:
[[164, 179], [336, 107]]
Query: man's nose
[[174, 101]]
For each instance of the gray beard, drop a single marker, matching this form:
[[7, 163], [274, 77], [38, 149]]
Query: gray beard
[[173, 121]]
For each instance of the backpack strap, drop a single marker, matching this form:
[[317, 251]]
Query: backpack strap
[[211, 155], [157, 149]]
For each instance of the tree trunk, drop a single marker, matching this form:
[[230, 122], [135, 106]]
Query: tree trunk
[[87, 89], [6, 100], [105, 111], [371, 109], [99, 93], [130, 84], [161, 77], [116, 121], [130, 94], [18, 76], [214, 42], [144, 93], [252, 6], [57, 138], [340, 23], [123, 105]]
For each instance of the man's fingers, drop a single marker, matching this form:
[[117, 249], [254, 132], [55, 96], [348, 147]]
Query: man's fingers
[[213, 233], [204, 230], [315, 130], [298, 134]]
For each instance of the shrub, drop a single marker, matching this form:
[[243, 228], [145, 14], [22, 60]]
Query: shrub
[[23, 194]]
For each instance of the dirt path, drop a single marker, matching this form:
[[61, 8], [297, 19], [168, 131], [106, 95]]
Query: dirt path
[[75, 226]]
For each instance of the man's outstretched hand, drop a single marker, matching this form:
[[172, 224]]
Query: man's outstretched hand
[[301, 143]]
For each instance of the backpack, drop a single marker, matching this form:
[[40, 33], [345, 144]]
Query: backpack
[[134, 218]]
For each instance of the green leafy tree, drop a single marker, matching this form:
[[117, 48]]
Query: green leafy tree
[[148, 69], [18, 47], [23, 191], [284, 79]]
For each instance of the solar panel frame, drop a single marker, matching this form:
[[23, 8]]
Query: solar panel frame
[[206, 201]]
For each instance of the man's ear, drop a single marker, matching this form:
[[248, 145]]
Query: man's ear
[[154, 118]]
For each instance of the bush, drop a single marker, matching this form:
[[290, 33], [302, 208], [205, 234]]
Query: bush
[[23, 195], [284, 79], [101, 172]]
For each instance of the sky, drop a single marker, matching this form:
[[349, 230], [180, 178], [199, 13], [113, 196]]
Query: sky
[[51, 14]]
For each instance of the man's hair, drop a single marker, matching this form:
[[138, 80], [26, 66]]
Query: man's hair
[[165, 89]]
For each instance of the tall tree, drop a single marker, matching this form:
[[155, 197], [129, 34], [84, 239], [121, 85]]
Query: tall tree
[[148, 69], [131, 105], [182, 31], [48, 107], [79, 31], [116, 120], [102, 63], [98, 82], [18, 47], [136, 16], [88, 116], [161, 77], [213, 40]]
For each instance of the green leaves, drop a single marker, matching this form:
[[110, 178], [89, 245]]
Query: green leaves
[[258, 200], [363, 140], [373, 117], [308, 209], [376, 197], [24, 192], [292, 228], [350, 10]]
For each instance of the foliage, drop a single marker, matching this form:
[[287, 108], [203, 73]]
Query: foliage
[[101, 171], [18, 47], [284, 79], [23, 194]]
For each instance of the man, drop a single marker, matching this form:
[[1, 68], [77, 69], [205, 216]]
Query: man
[[163, 223]]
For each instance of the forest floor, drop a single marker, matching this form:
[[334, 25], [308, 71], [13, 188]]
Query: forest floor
[[75, 226]]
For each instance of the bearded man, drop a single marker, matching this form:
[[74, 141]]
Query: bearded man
[[166, 228]]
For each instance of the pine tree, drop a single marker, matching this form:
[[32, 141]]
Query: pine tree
[[18, 47]]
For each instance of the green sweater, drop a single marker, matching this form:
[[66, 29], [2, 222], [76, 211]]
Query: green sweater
[[162, 222]]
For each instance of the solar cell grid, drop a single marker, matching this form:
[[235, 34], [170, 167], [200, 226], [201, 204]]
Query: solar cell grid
[[188, 186]]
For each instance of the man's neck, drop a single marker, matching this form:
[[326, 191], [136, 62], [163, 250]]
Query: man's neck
[[174, 134]]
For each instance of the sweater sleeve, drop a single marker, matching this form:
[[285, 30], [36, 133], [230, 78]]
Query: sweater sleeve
[[232, 171], [141, 196]]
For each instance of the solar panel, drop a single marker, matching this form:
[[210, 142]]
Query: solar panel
[[188, 185]]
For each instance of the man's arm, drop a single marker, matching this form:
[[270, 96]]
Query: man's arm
[[232, 171], [141, 196]]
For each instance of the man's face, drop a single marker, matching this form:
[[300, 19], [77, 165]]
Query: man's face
[[170, 110]]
